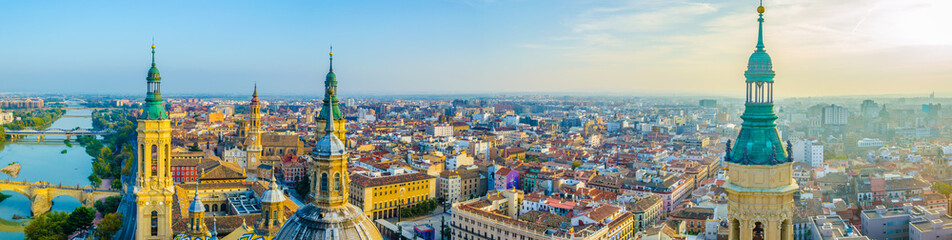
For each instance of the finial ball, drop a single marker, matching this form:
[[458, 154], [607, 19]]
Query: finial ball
[[153, 46], [761, 9], [332, 54]]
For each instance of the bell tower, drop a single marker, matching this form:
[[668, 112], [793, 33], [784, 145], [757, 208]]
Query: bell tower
[[760, 183], [153, 187], [253, 135]]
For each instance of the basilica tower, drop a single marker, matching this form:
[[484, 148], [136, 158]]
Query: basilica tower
[[153, 187], [329, 215], [760, 183], [331, 106], [253, 133]]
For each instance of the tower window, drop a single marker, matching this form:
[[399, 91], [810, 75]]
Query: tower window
[[155, 160], [337, 182], [324, 182], [155, 223]]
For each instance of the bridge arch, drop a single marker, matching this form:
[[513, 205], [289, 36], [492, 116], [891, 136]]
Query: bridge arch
[[64, 202]]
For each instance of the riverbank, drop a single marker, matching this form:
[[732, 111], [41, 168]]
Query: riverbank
[[36, 119], [13, 225]]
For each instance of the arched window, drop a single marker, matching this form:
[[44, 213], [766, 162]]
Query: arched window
[[214, 208], [267, 216], [758, 231], [155, 223], [223, 207], [323, 182], [207, 208], [337, 182], [155, 160]]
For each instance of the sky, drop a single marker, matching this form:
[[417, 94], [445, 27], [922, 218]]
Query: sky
[[647, 47]]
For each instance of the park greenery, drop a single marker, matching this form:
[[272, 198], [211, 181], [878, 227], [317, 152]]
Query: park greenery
[[108, 205], [110, 152], [421, 208], [3, 196], [36, 119], [108, 226], [59, 225]]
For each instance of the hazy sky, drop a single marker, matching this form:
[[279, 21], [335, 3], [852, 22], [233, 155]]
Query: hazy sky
[[819, 47]]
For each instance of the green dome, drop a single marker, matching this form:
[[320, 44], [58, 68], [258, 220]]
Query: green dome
[[331, 79], [153, 74], [759, 67]]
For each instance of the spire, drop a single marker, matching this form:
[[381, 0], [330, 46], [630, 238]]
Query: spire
[[760, 31], [329, 126], [254, 96], [332, 59], [153, 52]]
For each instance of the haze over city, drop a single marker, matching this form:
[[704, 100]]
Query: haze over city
[[437, 47], [476, 119]]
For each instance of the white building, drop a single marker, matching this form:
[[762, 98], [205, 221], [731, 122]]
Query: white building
[[867, 142], [511, 120], [237, 156], [457, 160], [440, 130], [808, 151], [835, 115], [5, 117]]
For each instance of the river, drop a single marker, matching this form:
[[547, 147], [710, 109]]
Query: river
[[43, 161]]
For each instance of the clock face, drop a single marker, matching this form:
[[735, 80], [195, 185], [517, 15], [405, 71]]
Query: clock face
[[330, 91]]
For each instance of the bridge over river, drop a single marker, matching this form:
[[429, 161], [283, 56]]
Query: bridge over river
[[41, 194], [41, 134]]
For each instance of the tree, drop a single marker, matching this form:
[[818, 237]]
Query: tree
[[576, 164], [95, 180], [80, 218], [116, 184], [943, 188], [109, 205], [108, 226], [48, 226]]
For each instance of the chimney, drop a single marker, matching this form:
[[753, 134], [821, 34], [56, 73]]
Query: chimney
[[880, 209]]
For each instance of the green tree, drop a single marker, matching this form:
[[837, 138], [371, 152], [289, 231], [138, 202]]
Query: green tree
[[576, 164], [80, 218], [108, 226], [116, 184], [95, 180], [943, 188], [108, 205], [48, 226]]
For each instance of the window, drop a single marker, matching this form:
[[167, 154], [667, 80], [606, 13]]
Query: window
[[155, 160], [324, 182], [155, 223], [336, 181]]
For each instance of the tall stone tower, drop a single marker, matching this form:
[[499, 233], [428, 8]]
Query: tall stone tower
[[153, 187], [760, 183], [253, 135], [329, 215], [330, 106]]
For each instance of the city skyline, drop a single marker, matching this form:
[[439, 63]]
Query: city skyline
[[476, 47]]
